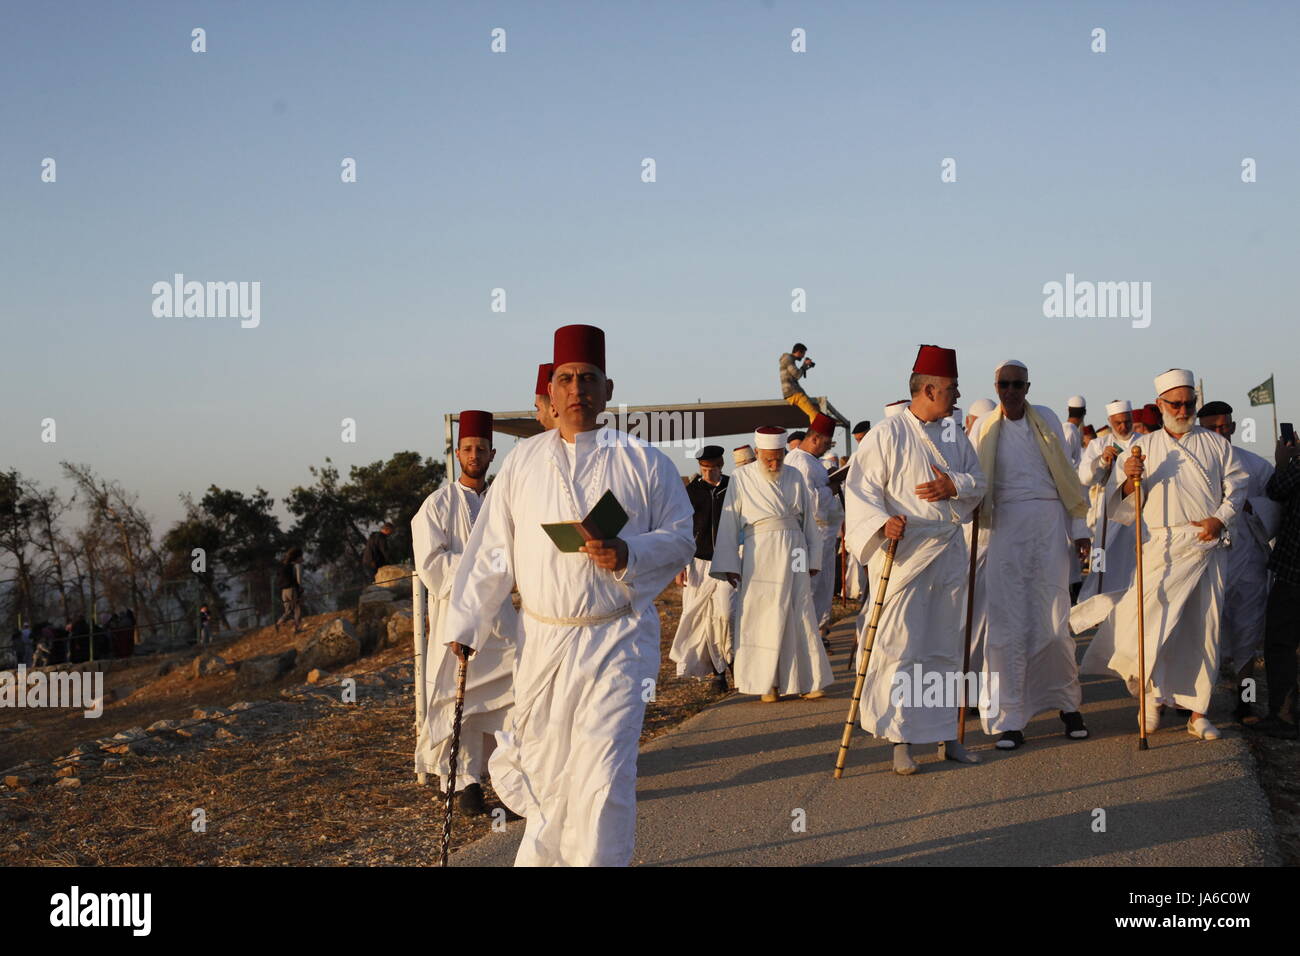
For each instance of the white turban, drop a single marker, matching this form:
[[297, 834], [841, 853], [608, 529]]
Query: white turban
[[1076, 401], [1174, 378], [981, 407], [769, 437], [1013, 363], [1118, 407]]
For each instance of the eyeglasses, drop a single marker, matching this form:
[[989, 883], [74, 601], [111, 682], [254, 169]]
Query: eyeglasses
[[1003, 383], [1179, 405]]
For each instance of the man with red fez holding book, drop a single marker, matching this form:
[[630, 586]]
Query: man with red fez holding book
[[908, 484], [542, 398], [589, 654], [440, 533]]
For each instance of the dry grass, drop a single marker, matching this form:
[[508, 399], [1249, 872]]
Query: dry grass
[[316, 783]]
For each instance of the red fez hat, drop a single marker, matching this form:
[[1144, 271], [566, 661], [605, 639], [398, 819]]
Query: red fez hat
[[476, 424], [933, 360], [823, 424], [580, 343], [544, 372]]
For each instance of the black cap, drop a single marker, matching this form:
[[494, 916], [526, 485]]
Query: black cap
[[709, 451], [795, 436], [1214, 408], [862, 426]]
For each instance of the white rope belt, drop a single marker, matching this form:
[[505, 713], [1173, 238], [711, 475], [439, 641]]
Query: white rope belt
[[625, 610]]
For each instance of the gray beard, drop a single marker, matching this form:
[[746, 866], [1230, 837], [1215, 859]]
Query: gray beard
[[771, 476], [1178, 428]]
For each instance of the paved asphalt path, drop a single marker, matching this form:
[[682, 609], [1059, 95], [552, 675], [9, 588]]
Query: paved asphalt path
[[730, 786]]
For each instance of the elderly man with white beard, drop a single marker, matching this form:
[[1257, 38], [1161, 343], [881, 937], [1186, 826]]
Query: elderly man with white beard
[[1193, 488], [770, 515], [1034, 508], [915, 480]]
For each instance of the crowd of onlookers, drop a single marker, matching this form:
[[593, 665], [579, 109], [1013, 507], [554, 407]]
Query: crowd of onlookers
[[43, 643]]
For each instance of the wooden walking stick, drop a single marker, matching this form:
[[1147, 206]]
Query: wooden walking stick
[[1142, 636], [970, 615], [455, 750], [868, 640]]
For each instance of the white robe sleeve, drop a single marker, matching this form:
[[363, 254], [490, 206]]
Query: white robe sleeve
[[865, 512], [726, 546], [655, 557], [1236, 482], [970, 482], [481, 585], [812, 534], [434, 561]]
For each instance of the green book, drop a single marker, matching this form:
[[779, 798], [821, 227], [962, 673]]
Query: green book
[[603, 522]]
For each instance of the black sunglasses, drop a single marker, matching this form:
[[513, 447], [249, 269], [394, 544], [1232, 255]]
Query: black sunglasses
[[1003, 383], [1187, 405]]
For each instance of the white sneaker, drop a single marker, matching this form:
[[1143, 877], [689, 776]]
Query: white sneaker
[[1202, 728]]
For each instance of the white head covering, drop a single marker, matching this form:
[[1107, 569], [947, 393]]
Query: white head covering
[[1076, 401], [982, 406], [893, 408], [769, 437], [1118, 407], [831, 460], [1014, 363], [743, 455], [1174, 378]]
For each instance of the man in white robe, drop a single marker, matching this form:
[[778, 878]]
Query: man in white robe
[[440, 532], [1245, 598], [1113, 550], [1193, 487], [1034, 506], [916, 480], [702, 646], [769, 514], [542, 400], [805, 459], [589, 656], [1076, 410]]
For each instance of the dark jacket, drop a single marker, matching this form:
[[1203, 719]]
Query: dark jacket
[[374, 558], [707, 500]]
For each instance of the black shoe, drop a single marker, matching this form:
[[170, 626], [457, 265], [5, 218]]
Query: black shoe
[[1244, 714], [470, 800], [720, 683], [1010, 740], [1275, 726], [1074, 726]]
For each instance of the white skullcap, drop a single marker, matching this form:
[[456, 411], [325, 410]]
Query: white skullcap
[[769, 437], [893, 408], [1014, 363], [743, 455], [982, 406], [1076, 401], [1174, 378], [1118, 407]]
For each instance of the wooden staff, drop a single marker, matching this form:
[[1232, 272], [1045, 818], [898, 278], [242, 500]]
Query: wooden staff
[[1142, 636], [450, 782], [868, 640], [970, 616]]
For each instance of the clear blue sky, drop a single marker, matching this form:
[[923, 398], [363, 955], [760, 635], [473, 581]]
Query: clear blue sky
[[522, 170]]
